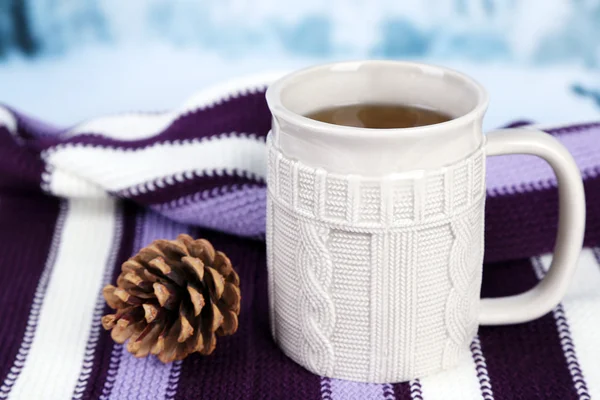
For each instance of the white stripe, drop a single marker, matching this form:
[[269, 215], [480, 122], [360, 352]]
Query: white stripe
[[415, 390], [231, 88], [143, 126], [458, 383], [58, 348], [485, 383], [118, 169], [581, 307], [64, 184], [90, 351]]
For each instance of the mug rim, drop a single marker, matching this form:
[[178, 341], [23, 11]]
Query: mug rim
[[273, 97]]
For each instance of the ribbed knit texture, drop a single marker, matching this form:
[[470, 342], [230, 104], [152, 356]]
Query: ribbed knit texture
[[375, 280], [204, 165]]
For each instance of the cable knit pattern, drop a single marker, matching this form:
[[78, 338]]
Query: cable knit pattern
[[465, 276], [375, 279], [317, 314]]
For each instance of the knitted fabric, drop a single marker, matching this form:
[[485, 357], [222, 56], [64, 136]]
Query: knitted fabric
[[375, 279], [101, 190]]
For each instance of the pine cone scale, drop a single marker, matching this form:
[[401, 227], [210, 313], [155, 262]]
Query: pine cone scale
[[186, 331], [194, 267], [216, 282], [229, 325], [197, 300], [150, 312], [148, 254], [173, 298], [231, 297]]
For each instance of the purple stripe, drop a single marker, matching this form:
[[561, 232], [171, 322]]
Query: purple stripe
[[20, 168], [246, 113], [241, 212], [97, 361], [523, 225], [402, 390], [31, 128], [518, 124], [145, 378], [573, 128], [525, 360], [247, 365], [32, 228]]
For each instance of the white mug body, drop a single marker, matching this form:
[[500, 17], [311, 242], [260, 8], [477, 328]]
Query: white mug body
[[375, 237]]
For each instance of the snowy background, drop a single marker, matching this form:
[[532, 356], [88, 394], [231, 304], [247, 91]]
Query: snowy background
[[68, 60]]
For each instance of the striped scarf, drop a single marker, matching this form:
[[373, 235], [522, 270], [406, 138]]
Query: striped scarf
[[75, 203]]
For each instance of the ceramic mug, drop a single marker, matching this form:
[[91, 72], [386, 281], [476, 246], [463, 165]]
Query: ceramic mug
[[375, 237]]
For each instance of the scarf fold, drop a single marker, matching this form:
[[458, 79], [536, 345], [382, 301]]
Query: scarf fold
[[203, 164]]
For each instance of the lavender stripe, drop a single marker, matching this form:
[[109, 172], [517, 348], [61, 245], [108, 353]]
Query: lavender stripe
[[241, 212], [38, 300], [94, 337], [195, 182], [146, 378], [518, 173], [342, 389], [117, 353]]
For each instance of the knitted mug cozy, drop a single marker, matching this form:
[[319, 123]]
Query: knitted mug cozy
[[375, 279]]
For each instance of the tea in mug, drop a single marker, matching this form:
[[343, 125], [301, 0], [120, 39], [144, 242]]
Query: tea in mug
[[380, 116]]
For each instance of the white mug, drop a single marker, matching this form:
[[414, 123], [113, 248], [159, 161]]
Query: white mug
[[375, 236]]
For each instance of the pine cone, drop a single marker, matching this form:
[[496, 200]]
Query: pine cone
[[171, 299]]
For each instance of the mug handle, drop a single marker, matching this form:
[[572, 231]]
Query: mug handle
[[571, 225]]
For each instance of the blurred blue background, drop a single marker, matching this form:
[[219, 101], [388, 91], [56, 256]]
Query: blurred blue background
[[67, 60]]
